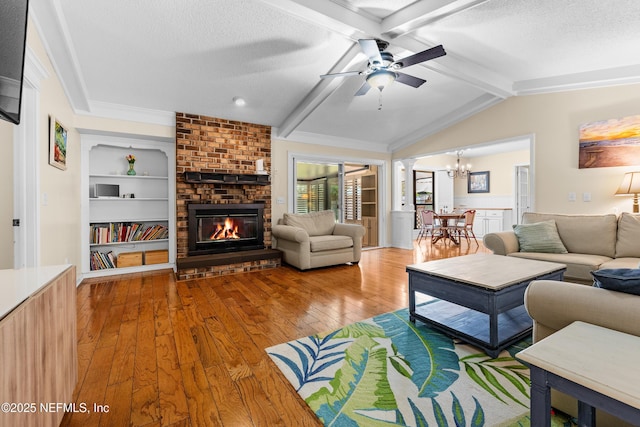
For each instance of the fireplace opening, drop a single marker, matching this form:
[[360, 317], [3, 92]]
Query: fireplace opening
[[217, 228]]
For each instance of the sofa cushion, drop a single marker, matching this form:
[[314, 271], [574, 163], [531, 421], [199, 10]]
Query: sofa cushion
[[329, 243], [628, 236], [539, 237], [622, 263], [315, 223], [582, 234], [579, 266], [618, 279]]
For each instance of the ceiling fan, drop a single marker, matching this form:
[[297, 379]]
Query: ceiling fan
[[383, 69]]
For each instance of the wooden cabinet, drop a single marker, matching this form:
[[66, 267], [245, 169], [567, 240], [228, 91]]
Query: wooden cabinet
[[39, 353], [138, 215]]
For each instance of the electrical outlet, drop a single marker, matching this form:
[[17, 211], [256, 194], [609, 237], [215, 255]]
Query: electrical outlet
[[572, 196], [586, 197]]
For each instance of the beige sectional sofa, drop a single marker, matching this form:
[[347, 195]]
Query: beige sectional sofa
[[315, 240], [593, 242]]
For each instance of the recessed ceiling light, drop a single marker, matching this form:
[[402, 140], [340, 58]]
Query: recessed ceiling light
[[240, 102]]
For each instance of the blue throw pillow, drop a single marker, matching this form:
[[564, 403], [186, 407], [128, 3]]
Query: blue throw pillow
[[618, 279]]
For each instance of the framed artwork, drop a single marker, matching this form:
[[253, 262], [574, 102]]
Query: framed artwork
[[478, 182], [57, 144], [607, 143]]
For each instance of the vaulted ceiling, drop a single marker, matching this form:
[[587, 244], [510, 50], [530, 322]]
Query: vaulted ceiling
[[149, 58]]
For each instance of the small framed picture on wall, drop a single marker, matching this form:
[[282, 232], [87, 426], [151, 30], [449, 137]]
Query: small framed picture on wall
[[57, 144], [478, 182]]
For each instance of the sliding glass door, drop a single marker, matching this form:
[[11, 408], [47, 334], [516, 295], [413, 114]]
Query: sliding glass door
[[349, 190]]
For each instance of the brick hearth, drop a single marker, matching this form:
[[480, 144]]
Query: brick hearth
[[212, 145]]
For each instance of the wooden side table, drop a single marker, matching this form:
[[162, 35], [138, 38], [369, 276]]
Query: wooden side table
[[597, 366]]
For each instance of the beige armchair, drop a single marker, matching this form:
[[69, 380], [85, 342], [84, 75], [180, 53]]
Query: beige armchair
[[315, 240]]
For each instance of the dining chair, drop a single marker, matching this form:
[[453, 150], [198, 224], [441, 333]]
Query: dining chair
[[465, 226], [429, 224]]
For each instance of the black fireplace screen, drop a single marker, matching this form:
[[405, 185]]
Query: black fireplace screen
[[218, 228]]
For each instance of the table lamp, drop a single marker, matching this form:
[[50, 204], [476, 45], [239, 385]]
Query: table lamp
[[630, 185]]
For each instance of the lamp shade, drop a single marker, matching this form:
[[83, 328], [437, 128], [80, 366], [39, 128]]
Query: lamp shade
[[381, 78], [630, 184]]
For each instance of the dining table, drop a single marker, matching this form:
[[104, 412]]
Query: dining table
[[447, 222]]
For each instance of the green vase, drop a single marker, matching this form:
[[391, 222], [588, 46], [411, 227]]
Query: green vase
[[131, 171]]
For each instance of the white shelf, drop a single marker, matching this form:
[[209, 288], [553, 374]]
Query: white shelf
[[128, 199], [104, 162], [127, 176], [133, 242]]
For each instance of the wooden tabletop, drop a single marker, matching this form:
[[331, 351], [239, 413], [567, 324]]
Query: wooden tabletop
[[487, 270], [600, 359]]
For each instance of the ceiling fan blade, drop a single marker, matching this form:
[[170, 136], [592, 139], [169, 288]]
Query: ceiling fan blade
[[409, 80], [425, 55], [345, 74], [370, 48], [363, 89]]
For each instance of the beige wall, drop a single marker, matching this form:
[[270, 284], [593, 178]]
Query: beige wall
[[554, 119], [280, 151], [501, 176], [6, 195]]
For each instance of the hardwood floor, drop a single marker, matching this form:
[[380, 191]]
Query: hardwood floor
[[154, 351]]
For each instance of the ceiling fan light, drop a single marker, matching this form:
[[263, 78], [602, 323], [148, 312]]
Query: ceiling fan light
[[381, 78]]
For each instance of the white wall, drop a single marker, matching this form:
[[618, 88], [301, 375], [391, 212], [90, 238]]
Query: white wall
[[554, 120], [6, 195]]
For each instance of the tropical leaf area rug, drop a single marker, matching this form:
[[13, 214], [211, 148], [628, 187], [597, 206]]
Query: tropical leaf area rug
[[386, 371]]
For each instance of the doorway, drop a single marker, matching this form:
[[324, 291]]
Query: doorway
[[350, 190], [523, 191]]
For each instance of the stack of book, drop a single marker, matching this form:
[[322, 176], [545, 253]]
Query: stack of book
[[100, 260]]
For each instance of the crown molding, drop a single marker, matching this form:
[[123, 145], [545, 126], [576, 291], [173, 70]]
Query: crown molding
[[579, 81], [128, 113], [52, 28]]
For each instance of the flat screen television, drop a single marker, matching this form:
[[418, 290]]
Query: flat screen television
[[13, 40]]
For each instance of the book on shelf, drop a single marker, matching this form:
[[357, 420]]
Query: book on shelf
[[120, 232], [101, 260]]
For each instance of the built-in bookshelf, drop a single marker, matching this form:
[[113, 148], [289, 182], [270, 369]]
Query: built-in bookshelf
[[136, 213]]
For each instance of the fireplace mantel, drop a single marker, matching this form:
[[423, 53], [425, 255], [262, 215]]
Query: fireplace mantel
[[226, 178]]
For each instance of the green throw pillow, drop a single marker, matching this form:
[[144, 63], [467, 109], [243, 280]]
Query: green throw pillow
[[539, 237]]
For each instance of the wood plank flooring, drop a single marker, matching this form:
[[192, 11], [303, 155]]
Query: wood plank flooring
[[154, 351]]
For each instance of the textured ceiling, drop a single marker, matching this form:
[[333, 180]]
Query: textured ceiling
[[146, 59]]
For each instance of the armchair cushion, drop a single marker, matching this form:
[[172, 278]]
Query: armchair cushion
[[618, 279], [330, 242], [315, 223], [539, 237]]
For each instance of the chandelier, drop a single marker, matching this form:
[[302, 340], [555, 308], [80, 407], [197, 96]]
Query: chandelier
[[458, 170]]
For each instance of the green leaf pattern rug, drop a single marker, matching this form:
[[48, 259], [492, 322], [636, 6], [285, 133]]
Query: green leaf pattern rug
[[386, 371]]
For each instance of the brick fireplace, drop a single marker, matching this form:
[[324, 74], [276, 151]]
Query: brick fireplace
[[216, 165]]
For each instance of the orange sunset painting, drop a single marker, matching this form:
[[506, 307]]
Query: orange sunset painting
[[613, 142]]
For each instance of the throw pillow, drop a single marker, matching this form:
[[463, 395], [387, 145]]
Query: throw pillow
[[539, 237], [618, 279]]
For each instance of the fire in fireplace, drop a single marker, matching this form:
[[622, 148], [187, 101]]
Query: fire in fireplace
[[217, 228]]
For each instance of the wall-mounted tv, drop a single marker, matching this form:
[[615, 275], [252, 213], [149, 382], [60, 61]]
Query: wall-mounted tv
[[13, 38]]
